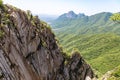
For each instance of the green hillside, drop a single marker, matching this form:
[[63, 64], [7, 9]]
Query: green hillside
[[95, 49], [96, 37]]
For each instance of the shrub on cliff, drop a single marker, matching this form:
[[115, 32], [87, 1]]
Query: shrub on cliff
[[1, 3], [115, 17]]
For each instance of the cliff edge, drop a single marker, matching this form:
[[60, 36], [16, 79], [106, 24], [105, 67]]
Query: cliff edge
[[29, 50]]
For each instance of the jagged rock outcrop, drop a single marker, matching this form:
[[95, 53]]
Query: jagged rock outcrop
[[29, 50]]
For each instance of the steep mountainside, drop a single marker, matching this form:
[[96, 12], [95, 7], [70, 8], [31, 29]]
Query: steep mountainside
[[96, 37], [29, 50]]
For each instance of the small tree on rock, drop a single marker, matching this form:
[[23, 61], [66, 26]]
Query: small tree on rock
[[1, 3], [115, 17]]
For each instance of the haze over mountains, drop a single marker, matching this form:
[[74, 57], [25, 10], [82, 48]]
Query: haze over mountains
[[96, 37], [47, 18]]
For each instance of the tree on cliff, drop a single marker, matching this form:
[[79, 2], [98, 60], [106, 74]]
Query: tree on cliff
[[115, 17]]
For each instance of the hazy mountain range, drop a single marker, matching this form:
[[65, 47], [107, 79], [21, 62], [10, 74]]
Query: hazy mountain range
[[47, 18]]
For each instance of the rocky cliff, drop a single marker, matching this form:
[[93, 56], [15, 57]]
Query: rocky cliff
[[29, 50]]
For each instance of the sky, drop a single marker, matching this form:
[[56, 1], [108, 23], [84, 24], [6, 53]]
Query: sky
[[58, 7]]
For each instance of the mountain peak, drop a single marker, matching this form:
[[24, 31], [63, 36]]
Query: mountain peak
[[69, 15], [71, 12], [80, 15]]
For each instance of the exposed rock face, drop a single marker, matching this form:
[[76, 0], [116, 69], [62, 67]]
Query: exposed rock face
[[29, 50]]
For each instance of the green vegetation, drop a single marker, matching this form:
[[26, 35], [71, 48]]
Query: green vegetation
[[95, 49], [115, 74], [1, 34], [1, 3], [96, 37], [115, 17]]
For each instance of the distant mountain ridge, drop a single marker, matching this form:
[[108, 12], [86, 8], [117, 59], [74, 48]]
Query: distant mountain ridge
[[71, 17]]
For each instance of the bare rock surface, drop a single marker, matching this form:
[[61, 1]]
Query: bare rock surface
[[29, 50]]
